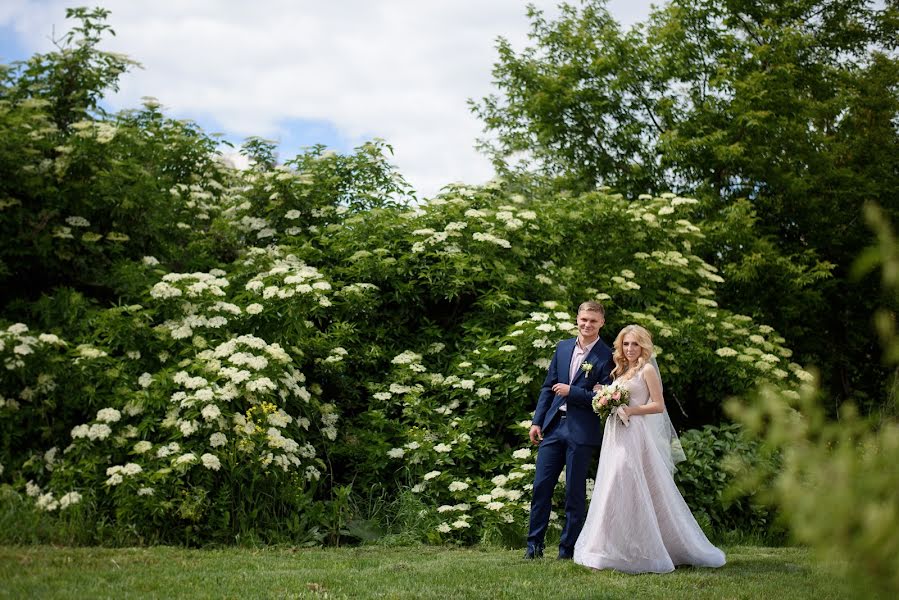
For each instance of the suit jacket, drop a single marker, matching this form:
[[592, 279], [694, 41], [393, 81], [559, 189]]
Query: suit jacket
[[584, 426]]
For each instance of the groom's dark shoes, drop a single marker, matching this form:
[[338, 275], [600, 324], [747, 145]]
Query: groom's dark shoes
[[533, 551], [565, 553]]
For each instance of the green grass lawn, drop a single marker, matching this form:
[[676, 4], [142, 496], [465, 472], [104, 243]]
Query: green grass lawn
[[378, 572]]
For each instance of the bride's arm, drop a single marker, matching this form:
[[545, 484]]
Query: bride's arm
[[656, 402]]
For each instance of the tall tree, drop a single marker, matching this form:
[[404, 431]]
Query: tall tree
[[782, 116]]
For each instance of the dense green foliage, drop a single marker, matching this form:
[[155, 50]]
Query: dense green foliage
[[715, 454], [780, 116], [197, 354], [838, 486]]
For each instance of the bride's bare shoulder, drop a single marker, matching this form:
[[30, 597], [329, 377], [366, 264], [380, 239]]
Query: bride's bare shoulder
[[649, 372]]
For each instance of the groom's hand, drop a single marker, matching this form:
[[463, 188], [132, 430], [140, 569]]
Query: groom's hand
[[536, 434], [562, 389]]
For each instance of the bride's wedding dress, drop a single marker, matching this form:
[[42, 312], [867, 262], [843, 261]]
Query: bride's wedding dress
[[638, 521]]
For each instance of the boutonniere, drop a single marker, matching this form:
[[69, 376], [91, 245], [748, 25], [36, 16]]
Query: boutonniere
[[586, 368]]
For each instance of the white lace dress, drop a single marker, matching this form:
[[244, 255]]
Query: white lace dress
[[638, 521]]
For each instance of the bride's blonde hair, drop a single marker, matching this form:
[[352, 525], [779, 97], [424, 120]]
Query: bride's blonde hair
[[644, 340]]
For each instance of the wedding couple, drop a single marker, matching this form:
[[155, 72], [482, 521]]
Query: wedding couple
[[638, 521]]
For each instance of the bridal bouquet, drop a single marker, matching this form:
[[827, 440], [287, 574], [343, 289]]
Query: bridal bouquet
[[609, 399]]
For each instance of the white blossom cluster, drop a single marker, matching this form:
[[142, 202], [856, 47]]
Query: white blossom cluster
[[47, 501], [117, 473], [733, 338], [410, 359], [102, 131], [16, 343], [507, 499], [236, 365], [289, 276], [358, 289], [657, 326], [208, 197], [336, 355], [492, 239], [190, 285], [280, 450], [95, 431], [86, 351], [432, 237]]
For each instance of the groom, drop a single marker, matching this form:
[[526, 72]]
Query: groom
[[567, 429]]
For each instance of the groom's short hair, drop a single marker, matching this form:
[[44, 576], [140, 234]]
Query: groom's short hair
[[592, 306]]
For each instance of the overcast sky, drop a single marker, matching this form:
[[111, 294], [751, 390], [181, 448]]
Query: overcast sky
[[336, 72]]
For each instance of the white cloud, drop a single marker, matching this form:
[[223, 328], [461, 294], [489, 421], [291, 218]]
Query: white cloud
[[401, 70]]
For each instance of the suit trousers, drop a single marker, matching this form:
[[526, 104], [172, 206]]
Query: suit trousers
[[558, 451]]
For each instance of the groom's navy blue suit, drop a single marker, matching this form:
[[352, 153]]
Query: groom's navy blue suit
[[569, 440]]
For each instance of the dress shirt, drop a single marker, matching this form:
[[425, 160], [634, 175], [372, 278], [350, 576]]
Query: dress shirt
[[577, 359]]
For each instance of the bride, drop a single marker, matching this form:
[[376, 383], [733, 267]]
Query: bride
[[638, 521]]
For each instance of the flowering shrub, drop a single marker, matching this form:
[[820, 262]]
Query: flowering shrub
[[226, 386], [219, 353]]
